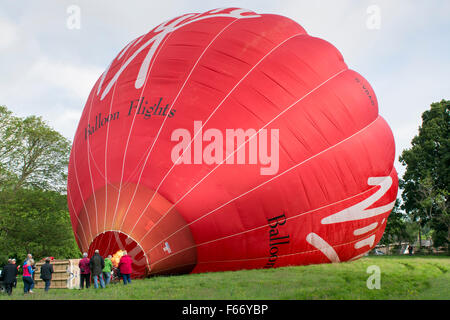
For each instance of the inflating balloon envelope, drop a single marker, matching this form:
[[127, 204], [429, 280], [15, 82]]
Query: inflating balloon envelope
[[230, 140]]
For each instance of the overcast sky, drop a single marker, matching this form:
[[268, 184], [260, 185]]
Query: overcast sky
[[48, 68]]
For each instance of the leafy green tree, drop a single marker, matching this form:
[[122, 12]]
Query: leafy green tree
[[35, 221], [32, 154], [9, 139], [395, 230], [33, 207], [426, 180]]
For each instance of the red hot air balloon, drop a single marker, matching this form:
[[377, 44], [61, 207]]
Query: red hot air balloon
[[230, 140]]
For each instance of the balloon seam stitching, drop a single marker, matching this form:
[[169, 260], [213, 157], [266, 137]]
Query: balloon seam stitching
[[212, 113], [260, 185]]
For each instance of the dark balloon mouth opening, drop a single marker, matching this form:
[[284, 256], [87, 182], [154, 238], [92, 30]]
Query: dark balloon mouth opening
[[111, 242]]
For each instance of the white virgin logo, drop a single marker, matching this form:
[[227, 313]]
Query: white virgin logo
[[359, 211], [164, 29]]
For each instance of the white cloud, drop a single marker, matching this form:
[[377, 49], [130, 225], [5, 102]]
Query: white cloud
[[55, 90], [78, 80], [8, 34], [65, 122], [46, 67]]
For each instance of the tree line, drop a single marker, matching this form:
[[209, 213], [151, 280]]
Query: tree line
[[422, 210], [34, 217]]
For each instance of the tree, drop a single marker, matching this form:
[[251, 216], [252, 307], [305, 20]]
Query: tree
[[9, 139], [35, 221], [33, 207], [395, 226], [426, 180], [32, 154]]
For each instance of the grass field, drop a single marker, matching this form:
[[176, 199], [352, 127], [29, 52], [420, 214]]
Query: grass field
[[402, 277]]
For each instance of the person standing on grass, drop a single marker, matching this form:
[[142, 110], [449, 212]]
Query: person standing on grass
[[107, 270], [27, 277], [9, 276], [85, 271], [33, 266], [125, 267], [46, 273], [97, 264], [17, 268]]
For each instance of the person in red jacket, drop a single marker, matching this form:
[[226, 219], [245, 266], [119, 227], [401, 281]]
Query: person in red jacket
[[27, 277], [125, 267], [85, 271]]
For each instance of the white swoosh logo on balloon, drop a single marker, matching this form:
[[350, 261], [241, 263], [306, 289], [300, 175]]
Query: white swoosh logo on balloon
[[316, 241], [154, 42], [358, 211]]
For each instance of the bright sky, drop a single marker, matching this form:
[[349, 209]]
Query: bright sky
[[48, 68]]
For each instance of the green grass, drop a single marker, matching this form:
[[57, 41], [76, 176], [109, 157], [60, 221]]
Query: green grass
[[402, 277]]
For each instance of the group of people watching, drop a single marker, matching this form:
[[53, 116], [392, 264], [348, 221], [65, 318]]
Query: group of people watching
[[100, 269], [11, 270], [96, 267]]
